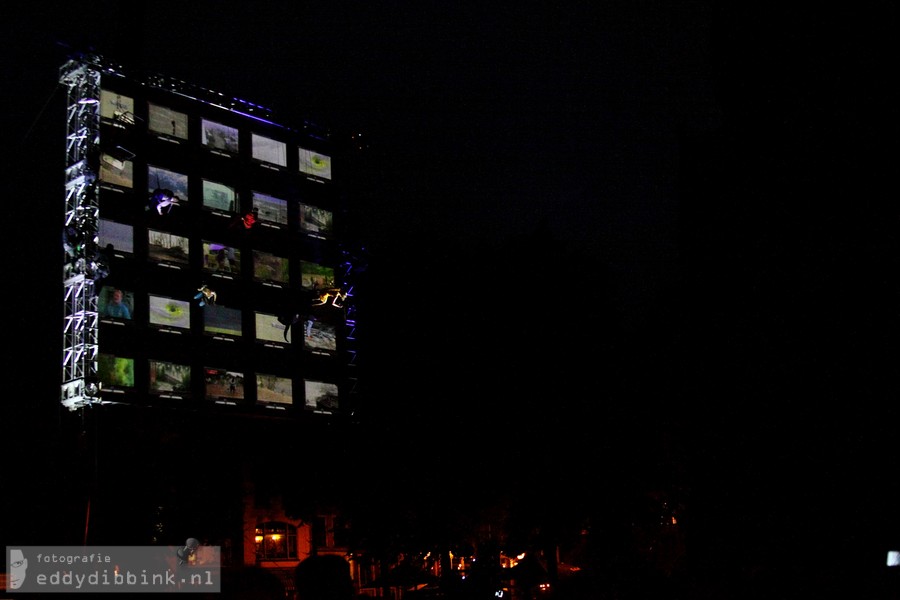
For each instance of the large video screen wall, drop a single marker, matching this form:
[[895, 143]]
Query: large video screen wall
[[221, 236]]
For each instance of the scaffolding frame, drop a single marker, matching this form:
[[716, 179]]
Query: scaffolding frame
[[80, 385]]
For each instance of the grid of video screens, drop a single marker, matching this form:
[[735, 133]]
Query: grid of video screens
[[221, 235]]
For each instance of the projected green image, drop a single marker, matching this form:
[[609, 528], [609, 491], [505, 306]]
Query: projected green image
[[168, 312], [115, 371]]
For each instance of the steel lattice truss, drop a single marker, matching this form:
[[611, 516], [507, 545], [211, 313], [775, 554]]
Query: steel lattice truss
[[80, 332]]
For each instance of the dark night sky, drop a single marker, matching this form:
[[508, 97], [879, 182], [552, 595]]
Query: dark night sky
[[627, 218]]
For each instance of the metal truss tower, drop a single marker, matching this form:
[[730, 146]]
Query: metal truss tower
[[81, 234], [350, 267]]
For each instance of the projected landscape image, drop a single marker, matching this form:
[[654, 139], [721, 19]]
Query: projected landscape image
[[166, 121], [169, 377], [168, 180], [271, 388], [167, 247], [320, 396], [221, 383], [219, 137]]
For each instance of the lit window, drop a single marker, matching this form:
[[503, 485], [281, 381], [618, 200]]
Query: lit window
[[275, 540]]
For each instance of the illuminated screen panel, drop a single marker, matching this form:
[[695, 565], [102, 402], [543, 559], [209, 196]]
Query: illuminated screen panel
[[116, 107], [271, 209], [121, 236], [159, 178], [217, 136], [271, 388], [319, 336], [115, 171], [270, 330], [167, 248], [315, 163], [116, 373], [221, 259], [893, 558], [222, 384], [219, 196], [269, 150], [314, 276], [169, 379], [320, 396], [169, 313], [269, 268], [315, 221], [166, 121], [115, 303], [221, 320]]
